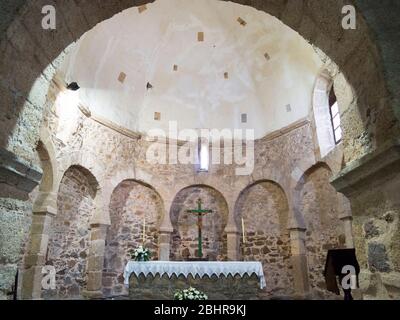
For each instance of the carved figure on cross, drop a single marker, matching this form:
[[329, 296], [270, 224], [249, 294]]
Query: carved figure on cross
[[200, 213]]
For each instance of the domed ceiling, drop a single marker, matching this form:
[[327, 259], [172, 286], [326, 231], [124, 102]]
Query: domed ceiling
[[202, 63]]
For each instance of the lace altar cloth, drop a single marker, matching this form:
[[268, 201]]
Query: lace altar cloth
[[198, 268]]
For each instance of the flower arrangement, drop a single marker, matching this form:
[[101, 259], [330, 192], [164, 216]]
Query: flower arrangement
[[141, 254], [190, 294]]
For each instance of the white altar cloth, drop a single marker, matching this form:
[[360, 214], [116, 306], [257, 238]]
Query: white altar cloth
[[200, 268]]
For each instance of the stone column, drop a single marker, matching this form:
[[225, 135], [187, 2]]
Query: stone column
[[348, 230], [347, 218], [233, 243], [299, 260], [43, 213], [164, 243], [95, 262]]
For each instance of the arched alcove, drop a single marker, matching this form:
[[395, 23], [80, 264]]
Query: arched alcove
[[69, 234], [184, 244], [132, 203], [264, 208]]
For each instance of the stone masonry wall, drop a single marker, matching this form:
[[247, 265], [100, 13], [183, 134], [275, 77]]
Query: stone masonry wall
[[377, 236], [15, 219], [319, 205], [366, 56], [131, 203], [69, 235], [264, 209], [223, 288], [184, 238], [109, 153]]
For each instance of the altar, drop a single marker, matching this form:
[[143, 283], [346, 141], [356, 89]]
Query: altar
[[158, 280]]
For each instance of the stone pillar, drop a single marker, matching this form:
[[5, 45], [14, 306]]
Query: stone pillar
[[164, 243], [95, 261], [233, 243], [299, 260], [43, 213], [348, 230]]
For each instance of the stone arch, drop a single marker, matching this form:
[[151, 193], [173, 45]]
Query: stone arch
[[45, 196], [44, 209], [46, 185], [318, 203], [132, 202], [95, 176], [264, 207], [322, 117], [30, 56], [184, 235], [352, 50], [84, 163], [135, 174], [69, 236]]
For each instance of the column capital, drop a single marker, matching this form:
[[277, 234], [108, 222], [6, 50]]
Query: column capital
[[232, 229], [295, 228], [99, 225], [353, 177], [346, 217], [45, 203], [100, 221], [166, 229], [18, 173]]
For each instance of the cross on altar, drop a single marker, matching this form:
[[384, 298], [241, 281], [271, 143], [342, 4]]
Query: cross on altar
[[200, 213]]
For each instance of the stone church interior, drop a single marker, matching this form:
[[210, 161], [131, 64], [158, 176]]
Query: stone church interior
[[248, 148]]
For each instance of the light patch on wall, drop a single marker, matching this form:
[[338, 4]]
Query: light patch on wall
[[175, 67], [226, 75], [142, 8], [266, 55], [157, 116], [244, 117], [200, 36], [241, 21], [122, 77], [288, 108]]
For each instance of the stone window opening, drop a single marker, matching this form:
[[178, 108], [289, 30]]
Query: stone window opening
[[204, 156], [335, 116]]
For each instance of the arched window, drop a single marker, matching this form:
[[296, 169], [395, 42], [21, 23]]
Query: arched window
[[335, 116], [204, 156]]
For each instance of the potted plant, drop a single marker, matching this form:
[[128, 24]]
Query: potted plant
[[141, 254], [190, 294]]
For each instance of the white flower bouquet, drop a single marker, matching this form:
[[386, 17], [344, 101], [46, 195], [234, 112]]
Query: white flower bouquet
[[190, 294], [141, 254]]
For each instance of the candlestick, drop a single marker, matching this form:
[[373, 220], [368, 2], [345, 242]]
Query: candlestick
[[144, 230], [243, 232]]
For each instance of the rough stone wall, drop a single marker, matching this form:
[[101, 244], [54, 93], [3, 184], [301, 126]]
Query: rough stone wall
[[281, 158], [319, 205], [264, 209], [15, 219], [376, 229], [184, 238], [223, 288], [131, 203], [69, 235]]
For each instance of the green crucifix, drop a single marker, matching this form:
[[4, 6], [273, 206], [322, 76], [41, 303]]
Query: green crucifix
[[200, 213]]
